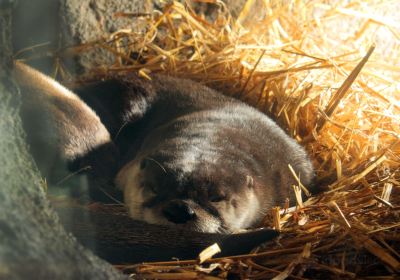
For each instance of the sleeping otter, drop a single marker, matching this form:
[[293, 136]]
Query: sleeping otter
[[182, 154]]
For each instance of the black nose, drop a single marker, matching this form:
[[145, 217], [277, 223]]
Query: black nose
[[178, 212]]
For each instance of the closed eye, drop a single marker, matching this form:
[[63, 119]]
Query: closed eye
[[150, 188], [217, 198]]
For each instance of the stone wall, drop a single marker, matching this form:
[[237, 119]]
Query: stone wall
[[33, 244]]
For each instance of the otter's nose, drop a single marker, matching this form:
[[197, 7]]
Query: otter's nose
[[178, 212]]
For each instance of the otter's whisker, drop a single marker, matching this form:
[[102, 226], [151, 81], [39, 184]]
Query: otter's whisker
[[120, 130], [110, 196], [158, 163], [65, 178]]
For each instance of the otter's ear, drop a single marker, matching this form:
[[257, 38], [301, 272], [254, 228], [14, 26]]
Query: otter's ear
[[249, 181]]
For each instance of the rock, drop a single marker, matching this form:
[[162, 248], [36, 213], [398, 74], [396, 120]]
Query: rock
[[83, 21], [33, 244]]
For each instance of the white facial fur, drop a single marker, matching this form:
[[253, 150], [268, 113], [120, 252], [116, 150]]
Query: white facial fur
[[235, 218], [128, 179], [244, 216]]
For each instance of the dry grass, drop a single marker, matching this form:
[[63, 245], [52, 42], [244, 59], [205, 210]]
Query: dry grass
[[309, 65]]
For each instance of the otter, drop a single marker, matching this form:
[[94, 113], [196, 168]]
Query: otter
[[181, 153], [193, 157]]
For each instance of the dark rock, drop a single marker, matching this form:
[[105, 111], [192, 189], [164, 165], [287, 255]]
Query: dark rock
[[83, 21]]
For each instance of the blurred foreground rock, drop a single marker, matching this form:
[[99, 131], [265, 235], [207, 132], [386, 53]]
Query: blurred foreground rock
[[33, 244]]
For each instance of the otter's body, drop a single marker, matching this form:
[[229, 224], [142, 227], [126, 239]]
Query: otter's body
[[193, 157], [181, 153]]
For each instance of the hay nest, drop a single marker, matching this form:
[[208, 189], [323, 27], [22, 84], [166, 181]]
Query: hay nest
[[313, 67]]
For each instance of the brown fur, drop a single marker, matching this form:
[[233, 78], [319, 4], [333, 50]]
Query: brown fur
[[212, 162]]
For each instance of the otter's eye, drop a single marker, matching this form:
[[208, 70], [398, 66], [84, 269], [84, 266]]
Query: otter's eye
[[217, 198], [152, 188], [149, 187]]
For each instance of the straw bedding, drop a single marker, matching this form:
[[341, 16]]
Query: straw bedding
[[328, 72]]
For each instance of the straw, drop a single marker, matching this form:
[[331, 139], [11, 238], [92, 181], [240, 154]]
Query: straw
[[330, 75]]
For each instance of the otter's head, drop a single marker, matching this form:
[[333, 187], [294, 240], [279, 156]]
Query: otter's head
[[199, 195]]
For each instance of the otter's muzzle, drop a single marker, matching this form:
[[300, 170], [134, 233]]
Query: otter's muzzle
[[178, 212]]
